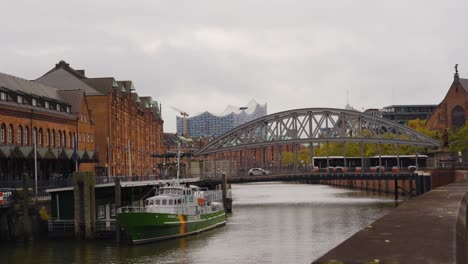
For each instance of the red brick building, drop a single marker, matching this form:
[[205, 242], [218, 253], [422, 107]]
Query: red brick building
[[452, 112], [35, 114], [129, 128]]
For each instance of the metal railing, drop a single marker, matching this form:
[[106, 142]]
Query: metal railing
[[131, 209], [105, 224], [61, 226]]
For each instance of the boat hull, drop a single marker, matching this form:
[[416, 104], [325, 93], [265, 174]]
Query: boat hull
[[144, 227]]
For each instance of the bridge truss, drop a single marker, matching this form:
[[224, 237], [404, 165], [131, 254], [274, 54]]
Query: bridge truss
[[317, 125]]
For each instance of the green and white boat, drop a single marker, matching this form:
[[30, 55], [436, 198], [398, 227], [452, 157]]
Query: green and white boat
[[175, 211]]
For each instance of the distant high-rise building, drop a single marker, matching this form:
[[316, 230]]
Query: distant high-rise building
[[208, 124], [373, 112], [403, 113]]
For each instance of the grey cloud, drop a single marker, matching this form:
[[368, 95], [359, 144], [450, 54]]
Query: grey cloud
[[204, 55]]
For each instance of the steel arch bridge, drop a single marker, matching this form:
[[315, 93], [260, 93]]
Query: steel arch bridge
[[316, 125]]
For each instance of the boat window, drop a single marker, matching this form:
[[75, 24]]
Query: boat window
[[164, 202], [171, 202], [151, 202], [157, 202], [147, 202]]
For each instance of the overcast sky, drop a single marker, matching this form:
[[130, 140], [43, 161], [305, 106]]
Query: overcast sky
[[203, 55]]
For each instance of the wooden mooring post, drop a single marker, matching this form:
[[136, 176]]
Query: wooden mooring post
[[118, 204], [227, 201], [85, 204]]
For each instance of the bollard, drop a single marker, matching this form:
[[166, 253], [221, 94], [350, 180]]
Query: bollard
[[411, 178], [427, 182], [224, 189], [418, 184]]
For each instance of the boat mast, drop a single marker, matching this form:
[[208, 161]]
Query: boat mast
[[178, 161]]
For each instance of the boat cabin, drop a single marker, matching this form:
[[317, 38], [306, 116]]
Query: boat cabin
[[163, 201], [178, 190]]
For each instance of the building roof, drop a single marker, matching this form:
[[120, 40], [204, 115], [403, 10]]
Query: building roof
[[104, 85], [249, 108], [74, 98], [64, 80], [235, 110], [464, 83], [17, 84]]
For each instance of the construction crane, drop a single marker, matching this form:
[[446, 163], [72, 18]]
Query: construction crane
[[184, 116]]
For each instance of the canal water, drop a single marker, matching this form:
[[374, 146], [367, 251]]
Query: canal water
[[271, 223]]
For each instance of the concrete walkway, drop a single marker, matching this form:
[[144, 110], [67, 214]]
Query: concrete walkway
[[427, 229]]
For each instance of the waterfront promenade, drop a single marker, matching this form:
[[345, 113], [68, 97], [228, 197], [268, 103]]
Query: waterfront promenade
[[428, 229]]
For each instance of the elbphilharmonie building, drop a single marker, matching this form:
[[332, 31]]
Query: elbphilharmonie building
[[209, 124]]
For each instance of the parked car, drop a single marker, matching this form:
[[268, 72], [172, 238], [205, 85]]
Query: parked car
[[258, 171]]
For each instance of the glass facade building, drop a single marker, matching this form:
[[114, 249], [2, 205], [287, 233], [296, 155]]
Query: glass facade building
[[208, 124], [403, 113]]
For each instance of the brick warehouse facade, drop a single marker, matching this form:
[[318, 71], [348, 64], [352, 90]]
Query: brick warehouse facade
[[452, 112], [31, 112], [129, 128]]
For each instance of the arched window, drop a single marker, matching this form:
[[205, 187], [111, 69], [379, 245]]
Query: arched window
[[70, 140], [2, 134], [39, 139], [458, 117], [26, 136], [10, 134], [19, 140], [74, 140], [59, 138], [47, 138], [64, 139], [52, 139]]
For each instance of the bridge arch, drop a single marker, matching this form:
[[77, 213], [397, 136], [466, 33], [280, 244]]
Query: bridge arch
[[316, 125]]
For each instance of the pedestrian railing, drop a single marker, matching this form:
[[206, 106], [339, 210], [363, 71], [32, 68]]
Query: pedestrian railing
[[105, 224], [131, 209], [61, 226]]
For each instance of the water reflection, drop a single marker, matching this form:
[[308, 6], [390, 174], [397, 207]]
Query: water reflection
[[271, 223]]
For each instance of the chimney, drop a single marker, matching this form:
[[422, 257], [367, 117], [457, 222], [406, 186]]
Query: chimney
[[62, 64]]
